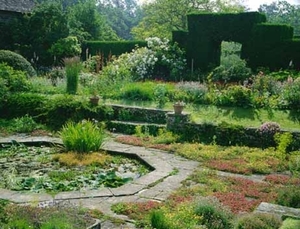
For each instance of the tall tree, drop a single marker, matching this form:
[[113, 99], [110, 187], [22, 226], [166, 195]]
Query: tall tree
[[88, 24], [282, 12], [122, 15], [164, 16]]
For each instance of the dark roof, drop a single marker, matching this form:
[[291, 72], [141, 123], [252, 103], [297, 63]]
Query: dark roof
[[21, 6]]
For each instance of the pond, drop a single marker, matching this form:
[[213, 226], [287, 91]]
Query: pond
[[48, 169]]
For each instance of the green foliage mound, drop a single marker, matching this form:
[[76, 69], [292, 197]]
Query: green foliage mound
[[17, 62], [258, 221], [12, 81], [290, 223], [213, 214], [289, 196]]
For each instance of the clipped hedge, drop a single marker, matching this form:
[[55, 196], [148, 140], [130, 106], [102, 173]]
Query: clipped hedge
[[17, 62], [206, 31], [225, 134], [54, 111], [272, 46], [107, 48], [263, 44]]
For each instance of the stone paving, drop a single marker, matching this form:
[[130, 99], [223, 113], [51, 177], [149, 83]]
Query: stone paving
[[169, 171]]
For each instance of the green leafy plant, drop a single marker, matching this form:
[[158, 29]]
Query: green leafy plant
[[213, 214], [289, 196], [195, 92], [161, 94], [65, 47], [24, 124], [73, 68], [291, 94], [283, 141], [290, 223], [82, 137], [258, 221], [55, 74], [158, 220], [232, 69], [12, 80]]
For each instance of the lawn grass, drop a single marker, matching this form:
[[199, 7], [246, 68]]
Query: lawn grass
[[248, 117]]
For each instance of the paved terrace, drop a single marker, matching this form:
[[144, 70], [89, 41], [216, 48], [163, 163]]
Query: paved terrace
[[156, 185]]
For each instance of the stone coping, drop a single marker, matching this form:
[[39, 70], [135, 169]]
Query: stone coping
[[164, 165]]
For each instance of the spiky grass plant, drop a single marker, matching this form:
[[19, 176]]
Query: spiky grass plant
[[82, 137], [73, 68]]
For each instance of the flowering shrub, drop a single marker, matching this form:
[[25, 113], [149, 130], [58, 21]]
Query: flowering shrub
[[194, 91], [267, 131], [291, 94], [159, 60]]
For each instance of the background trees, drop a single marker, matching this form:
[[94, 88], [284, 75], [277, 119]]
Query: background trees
[[164, 16], [282, 12], [121, 15]]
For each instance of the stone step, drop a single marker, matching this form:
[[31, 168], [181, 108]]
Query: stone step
[[279, 210]]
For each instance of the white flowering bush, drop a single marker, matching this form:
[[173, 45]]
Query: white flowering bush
[[159, 60]]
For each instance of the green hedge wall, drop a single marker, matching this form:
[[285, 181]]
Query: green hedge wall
[[107, 48], [207, 31], [263, 44], [266, 33]]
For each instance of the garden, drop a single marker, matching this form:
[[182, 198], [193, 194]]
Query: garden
[[240, 122]]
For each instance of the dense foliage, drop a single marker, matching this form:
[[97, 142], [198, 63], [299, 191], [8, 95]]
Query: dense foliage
[[17, 62]]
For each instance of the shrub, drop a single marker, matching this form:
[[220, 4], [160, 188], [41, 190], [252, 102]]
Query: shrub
[[213, 214], [289, 196], [294, 164], [291, 94], [73, 67], [54, 74], [24, 124], [65, 47], [232, 70], [283, 141], [17, 62], [265, 84], [12, 80], [239, 96], [267, 132], [258, 221], [290, 223], [20, 104], [138, 91], [161, 94], [195, 91], [83, 137], [159, 60], [158, 220]]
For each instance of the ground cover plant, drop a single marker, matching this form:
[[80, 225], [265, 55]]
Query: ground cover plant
[[58, 215], [239, 194]]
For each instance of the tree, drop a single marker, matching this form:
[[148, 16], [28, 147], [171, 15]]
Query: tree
[[47, 24], [282, 12], [164, 16], [86, 23], [122, 15]]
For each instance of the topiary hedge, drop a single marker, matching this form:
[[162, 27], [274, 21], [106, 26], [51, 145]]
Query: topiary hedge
[[17, 62], [107, 48]]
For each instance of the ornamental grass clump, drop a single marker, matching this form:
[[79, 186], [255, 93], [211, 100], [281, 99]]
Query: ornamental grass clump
[[73, 68], [82, 137]]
